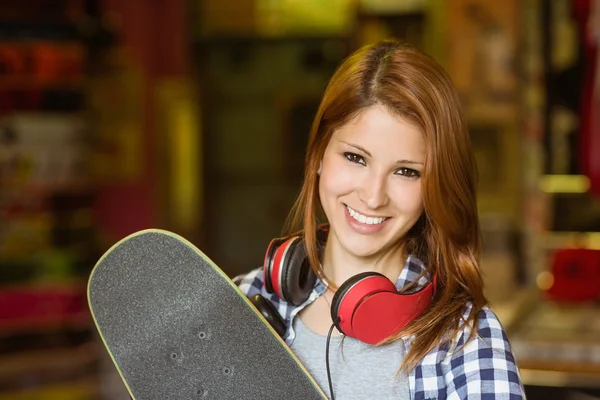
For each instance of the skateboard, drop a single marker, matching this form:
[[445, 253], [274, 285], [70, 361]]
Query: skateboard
[[176, 327]]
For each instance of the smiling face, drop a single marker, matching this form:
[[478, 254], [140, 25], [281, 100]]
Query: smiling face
[[370, 183]]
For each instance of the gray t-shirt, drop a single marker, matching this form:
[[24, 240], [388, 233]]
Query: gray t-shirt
[[358, 370]]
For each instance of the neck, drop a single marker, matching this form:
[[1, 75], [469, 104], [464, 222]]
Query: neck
[[339, 265]]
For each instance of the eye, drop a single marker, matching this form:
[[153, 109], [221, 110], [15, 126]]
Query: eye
[[355, 158], [409, 173]]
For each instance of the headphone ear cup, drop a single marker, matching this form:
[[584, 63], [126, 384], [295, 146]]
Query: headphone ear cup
[[286, 270], [369, 308], [351, 294], [297, 277], [268, 263], [270, 313], [279, 265]]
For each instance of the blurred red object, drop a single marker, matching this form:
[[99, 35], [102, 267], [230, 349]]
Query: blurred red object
[[576, 275], [24, 308]]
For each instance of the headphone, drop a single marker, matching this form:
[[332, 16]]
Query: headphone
[[366, 307]]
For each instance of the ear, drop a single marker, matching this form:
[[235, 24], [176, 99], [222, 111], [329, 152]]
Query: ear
[[320, 168]]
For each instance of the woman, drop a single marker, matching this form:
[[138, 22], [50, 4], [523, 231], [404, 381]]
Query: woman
[[390, 167]]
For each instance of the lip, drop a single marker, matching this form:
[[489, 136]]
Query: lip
[[363, 229]]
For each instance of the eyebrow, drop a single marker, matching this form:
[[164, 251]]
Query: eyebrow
[[358, 147]]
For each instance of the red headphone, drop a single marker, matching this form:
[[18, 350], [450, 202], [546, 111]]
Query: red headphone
[[366, 307]]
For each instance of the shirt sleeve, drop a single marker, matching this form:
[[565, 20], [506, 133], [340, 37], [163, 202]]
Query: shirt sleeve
[[486, 367], [251, 283]]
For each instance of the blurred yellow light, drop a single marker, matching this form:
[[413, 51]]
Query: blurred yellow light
[[545, 280], [564, 183]]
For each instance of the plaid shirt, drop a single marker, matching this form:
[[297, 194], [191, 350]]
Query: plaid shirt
[[484, 369]]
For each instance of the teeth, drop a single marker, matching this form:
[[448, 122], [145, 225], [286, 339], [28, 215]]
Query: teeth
[[364, 219]]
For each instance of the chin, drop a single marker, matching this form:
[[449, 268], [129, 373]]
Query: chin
[[368, 246], [360, 247]]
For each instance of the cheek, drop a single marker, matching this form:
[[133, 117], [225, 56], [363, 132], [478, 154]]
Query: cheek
[[334, 179], [328, 188], [408, 198]]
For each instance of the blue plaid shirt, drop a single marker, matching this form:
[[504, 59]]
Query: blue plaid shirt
[[485, 369]]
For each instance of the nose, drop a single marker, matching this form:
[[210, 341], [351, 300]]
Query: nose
[[373, 190]]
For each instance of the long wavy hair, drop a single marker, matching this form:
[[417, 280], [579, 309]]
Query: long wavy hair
[[447, 236]]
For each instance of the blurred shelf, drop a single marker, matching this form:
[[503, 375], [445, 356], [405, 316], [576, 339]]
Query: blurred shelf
[[481, 112], [30, 83], [48, 347], [557, 344], [19, 31], [42, 188], [510, 311], [541, 377], [563, 239], [218, 39], [46, 325], [83, 389], [48, 366], [43, 307]]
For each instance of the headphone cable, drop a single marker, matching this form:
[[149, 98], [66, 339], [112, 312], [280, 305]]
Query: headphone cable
[[327, 361]]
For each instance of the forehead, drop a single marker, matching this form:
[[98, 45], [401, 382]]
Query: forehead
[[379, 130]]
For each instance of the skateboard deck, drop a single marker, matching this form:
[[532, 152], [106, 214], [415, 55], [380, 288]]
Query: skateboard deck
[[176, 327]]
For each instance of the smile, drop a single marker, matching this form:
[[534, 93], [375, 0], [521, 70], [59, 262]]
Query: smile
[[363, 219]]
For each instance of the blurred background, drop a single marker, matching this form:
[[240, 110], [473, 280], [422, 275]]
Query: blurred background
[[193, 116]]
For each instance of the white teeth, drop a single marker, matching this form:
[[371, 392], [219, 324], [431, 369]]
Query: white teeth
[[364, 219]]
